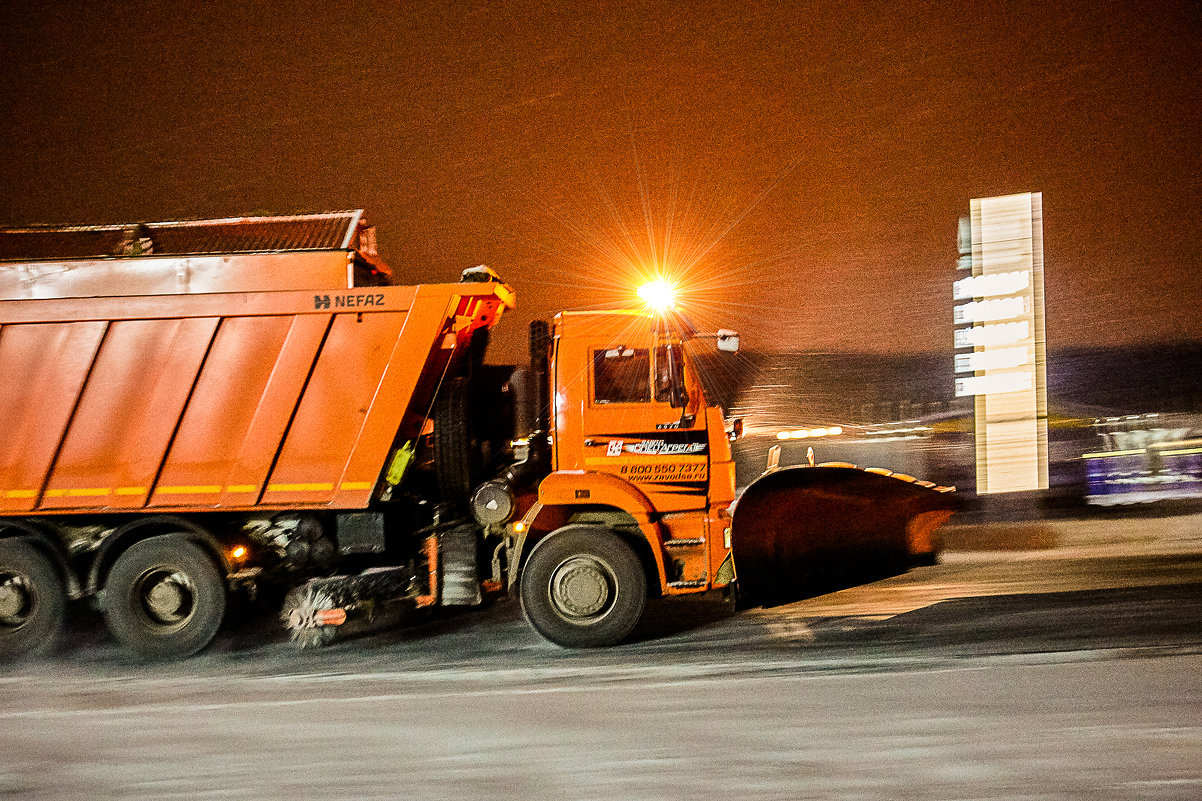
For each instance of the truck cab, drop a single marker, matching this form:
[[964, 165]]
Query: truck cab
[[641, 478]]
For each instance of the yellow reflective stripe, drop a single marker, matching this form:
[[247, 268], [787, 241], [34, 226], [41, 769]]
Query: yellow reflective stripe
[[188, 489], [205, 489], [300, 487], [92, 492]]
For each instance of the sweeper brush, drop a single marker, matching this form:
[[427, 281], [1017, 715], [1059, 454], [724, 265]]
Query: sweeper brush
[[338, 607]]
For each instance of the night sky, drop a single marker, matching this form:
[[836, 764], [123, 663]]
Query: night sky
[[801, 165]]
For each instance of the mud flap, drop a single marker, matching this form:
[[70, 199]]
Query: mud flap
[[802, 531]]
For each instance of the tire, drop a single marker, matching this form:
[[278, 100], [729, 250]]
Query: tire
[[454, 448], [583, 587], [164, 598], [33, 600]]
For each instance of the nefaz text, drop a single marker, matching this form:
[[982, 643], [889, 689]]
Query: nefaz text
[[347, 301]]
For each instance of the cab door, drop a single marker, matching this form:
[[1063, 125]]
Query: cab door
[[638, 424]]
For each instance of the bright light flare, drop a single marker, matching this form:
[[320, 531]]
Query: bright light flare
[[659, 295], [806, 433]]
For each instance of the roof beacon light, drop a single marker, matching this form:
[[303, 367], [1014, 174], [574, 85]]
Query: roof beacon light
[[659, 295]]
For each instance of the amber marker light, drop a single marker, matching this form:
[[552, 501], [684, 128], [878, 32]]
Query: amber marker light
[[238, 553]]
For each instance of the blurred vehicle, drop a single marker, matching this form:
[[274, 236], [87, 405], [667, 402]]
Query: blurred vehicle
[[1145, 458], [204, 408]]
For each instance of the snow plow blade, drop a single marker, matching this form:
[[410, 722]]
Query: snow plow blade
[[802, 531]]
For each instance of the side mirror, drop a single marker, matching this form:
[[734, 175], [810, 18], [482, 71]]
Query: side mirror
[[736, 430], [728, 341]]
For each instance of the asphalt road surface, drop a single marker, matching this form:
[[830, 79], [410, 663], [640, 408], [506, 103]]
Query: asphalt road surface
[[1056, 674]]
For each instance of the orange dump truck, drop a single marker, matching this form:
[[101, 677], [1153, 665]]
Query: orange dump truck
[[198, 409]]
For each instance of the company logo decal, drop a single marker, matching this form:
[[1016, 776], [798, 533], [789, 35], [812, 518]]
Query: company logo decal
[[657, 447], [657, 443], [347, 301]]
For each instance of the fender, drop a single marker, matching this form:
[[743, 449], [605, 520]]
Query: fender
[[585, 487], [588, 488], [21, 529], [142, 528]]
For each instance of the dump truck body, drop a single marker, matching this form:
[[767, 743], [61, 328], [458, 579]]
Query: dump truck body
[[226, 401], [232, 381], [200, 395]]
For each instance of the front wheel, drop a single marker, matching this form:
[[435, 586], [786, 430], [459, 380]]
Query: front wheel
[[33, 600], [583, 587], [164, 598]]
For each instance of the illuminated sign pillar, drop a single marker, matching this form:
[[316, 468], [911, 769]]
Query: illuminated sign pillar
[[999, 340]]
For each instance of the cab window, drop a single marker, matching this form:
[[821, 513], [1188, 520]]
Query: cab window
[[622, 375]]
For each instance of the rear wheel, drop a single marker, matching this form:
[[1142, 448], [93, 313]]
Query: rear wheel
[[33, 600], [164, 598], [583, 587]]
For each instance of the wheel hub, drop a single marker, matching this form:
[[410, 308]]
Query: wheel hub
[[167, 597], [15, 600], [581, 587]]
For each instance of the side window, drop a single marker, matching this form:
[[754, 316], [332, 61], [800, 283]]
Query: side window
[[622, 375]]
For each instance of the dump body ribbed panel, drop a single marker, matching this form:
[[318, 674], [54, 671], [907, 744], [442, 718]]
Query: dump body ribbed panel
[[323, 231], [233, 401]]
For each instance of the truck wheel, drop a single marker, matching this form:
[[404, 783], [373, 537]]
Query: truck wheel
[[583, 587], [164, 598], [33, 600], [454, 448]]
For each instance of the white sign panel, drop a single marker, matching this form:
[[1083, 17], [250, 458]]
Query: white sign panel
[[987, 286], [994, 359], [1002, 323]]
